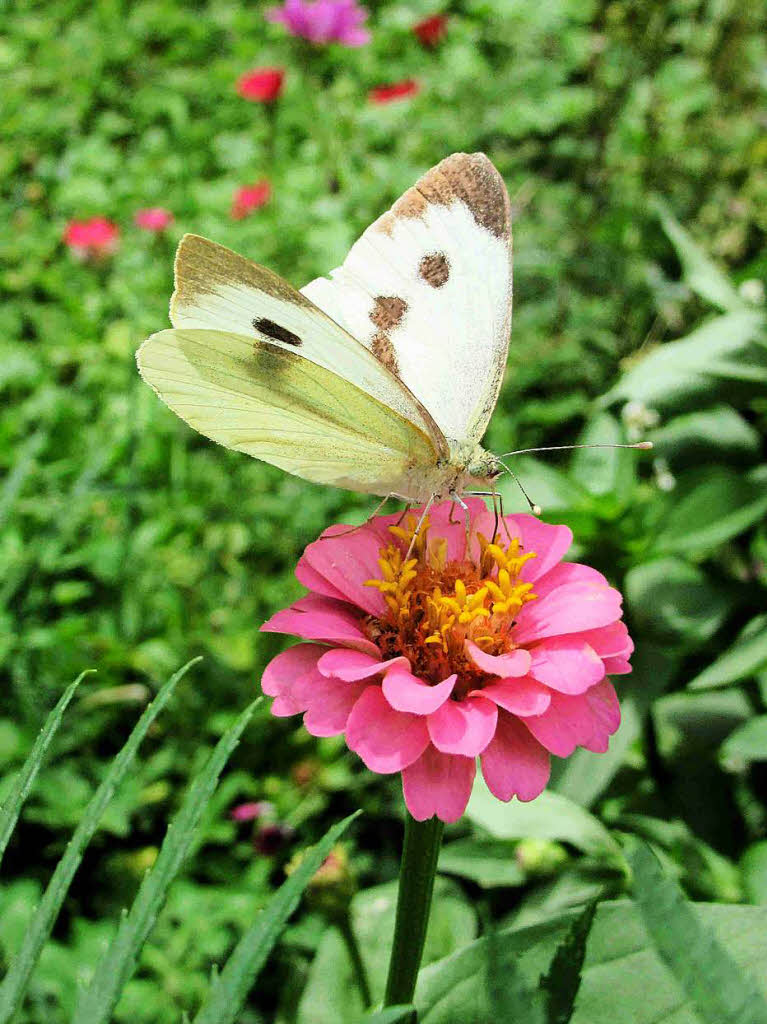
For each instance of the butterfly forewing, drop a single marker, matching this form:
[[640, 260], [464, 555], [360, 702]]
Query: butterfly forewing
[[427, 288]]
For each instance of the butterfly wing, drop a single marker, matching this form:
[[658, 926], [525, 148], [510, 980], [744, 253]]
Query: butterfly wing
[[218, 290], [427, 288], [264, 399]]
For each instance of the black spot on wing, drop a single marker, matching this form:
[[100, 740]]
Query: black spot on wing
[[273, 330]]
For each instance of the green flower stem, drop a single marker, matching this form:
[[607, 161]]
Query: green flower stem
[[420, 852], [358, 964]]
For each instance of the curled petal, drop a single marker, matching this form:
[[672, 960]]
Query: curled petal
[[350, 666], [519, 696], [568, 609], [567, 572], [284, 673], [611, 641], [567, 664], [515, 764], [320, 618], [586, 720], [438, 784], [385, 739], [406, 692], [505, 666], [329, 705], [315, 581], [617, 666], [463, 726]]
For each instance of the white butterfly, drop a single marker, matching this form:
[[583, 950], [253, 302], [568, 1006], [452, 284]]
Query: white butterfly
[[380, 379]]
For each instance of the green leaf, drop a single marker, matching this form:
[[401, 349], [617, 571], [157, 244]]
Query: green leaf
[[391, 1015], [16, 980], [753, 866], [748, 743], [549, 816], [672, 601], [680, 370], [716, 505], [548, 486], [698, 269], [117, 965], [230, 989], [490, 863], [563, 978], [705, 435], [623, 979], [721, 992], [746, 657], [9, 813], [509, 996], [604, 470]]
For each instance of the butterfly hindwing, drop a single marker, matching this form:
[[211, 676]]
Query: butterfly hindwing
[[264, 399], [427, 288]]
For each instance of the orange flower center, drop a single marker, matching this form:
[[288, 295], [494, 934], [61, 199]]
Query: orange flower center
[[433, 606]]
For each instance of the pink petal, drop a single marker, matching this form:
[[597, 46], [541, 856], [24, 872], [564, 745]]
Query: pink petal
[[463, 727], [284, 672], [519, 696], [611, 641], [567, 572], [406, 692], [514, 764], [568, 609], [385, 739], [321, 618], [515, 663], [315, 581], [617, 666], [548, 542], [567, 664], [351, 666], [347, 558], [438, 784], [586, 720], [330, 705]]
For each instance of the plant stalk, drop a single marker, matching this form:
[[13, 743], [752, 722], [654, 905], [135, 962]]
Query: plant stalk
[[358, 964], [420, 852]]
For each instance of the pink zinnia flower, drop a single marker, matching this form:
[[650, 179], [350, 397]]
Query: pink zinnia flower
[[91, 239], [249, 198], [323, 21], [251, 810], [494, 648], [263, 85], [394, 91], [431, 31], [153, 219]]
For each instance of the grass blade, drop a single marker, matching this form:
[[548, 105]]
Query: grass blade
[[721, 992], [9, 813], [16, 980], [119, 963], [230, 989]]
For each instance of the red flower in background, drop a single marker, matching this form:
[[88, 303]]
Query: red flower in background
[[394, 91], [431, 31], [262, 85], [249, 198], [91, 239], [156, 218]]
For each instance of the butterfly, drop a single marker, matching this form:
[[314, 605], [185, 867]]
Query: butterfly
[[379, 378]]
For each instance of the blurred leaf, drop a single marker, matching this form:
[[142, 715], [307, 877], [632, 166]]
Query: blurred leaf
[[719, 989], [748, 743], [673, 602], [747, 656], [703, 435], [391, 1015], [489, 863], [698, 269], [549, 816], [604, 470], [563, 979], [25, 780], [753, 864]]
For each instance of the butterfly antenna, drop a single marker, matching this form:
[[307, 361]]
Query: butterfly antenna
[[535, 509], [643, 445]]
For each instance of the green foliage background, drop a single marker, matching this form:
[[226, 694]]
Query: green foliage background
[[130, 544]]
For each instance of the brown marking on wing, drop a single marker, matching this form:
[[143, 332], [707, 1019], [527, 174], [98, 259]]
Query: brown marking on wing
[[434, 269], [387, 312], [202, 267], [466, 177], [383, 350], [275, 331]]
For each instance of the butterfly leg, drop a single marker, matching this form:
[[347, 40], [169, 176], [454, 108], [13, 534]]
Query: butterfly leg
[[497, 505], [458, 500], [373, 514]]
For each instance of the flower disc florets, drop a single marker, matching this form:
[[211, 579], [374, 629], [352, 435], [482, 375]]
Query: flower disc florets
[[471, 638]]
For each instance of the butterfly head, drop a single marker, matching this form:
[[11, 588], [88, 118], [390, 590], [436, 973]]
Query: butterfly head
[[483, 466]]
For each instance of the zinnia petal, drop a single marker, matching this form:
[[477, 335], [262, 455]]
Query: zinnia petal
[[515, 663], [329, 705], [385, 739], [519, 696], [567, 664], [354, 665], [550, 543], [320, 618], [438, 784], [514, 764], [586, 720], [347, 562], [406, 692], [463, 726], [284, 673], [568, 609]]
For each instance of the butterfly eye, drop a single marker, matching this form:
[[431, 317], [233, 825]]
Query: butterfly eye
[[273, 330]]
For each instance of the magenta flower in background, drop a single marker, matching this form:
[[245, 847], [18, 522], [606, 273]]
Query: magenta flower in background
[[492, 648], [323, 21], [92, 239], [156, 219], [248, 198]]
